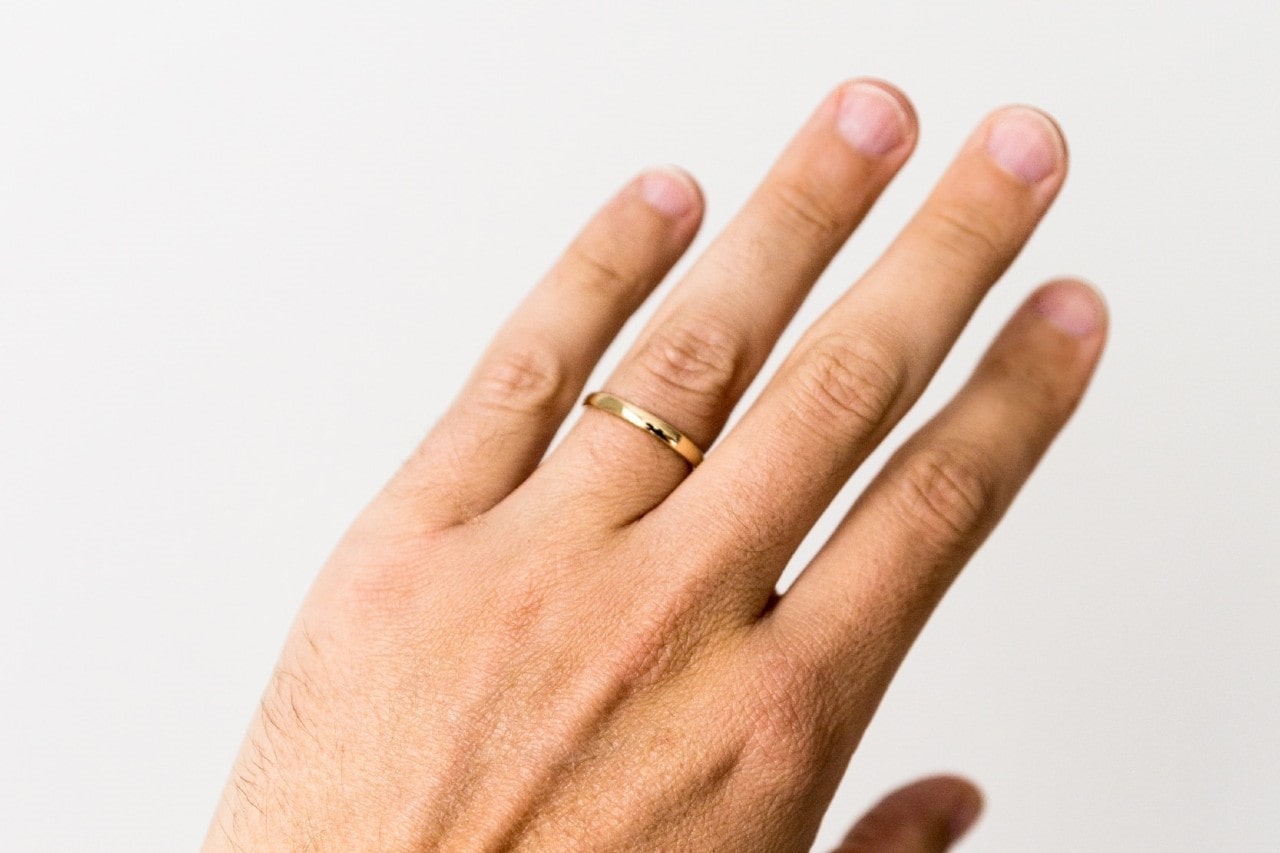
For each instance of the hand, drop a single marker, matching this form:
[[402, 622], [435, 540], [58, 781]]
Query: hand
[[589, 653]]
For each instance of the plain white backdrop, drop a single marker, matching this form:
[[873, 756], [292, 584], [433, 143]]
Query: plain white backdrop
[[249, 250]]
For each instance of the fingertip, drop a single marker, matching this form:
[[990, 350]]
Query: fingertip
[[875, 117], [1072, 306], [672, 192], [956, 798], [966, 808], [896, 93], [1027, 143], [931, 813]]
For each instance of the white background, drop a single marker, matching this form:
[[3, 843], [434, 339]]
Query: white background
[[248, 250]]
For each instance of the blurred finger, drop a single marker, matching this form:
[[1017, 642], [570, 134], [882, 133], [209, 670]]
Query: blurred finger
[[927, 816]]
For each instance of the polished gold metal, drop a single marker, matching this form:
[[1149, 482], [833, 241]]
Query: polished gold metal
[[649, 422]]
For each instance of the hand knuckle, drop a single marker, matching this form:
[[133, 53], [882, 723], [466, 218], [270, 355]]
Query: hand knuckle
[[1035, 385], [525, 378], [804, 207], [795, 712], [965, 233], [847, 378], [697, 360], [391, 556], [594, 267], [945, 492]]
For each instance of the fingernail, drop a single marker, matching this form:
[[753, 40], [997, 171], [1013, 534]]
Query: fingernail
[[668, 191], [1025, 144], [1071, 309], [872, 120], [964, 813]]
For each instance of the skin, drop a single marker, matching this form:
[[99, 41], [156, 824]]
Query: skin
[[586, 651]]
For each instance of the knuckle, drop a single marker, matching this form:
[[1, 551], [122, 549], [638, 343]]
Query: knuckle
[[945, 492], [793, 716], [384, 589], [965, 232], [1035, 387], [526, 378], [805, 208], [657, 641], [698, 360], [594, 267], [847, 378]]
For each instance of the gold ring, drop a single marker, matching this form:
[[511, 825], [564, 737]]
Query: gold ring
[[649, 422]]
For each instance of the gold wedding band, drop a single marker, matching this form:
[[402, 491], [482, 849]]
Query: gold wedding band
[[649, 422]]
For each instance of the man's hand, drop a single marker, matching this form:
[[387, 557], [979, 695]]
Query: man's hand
[[589, 653]]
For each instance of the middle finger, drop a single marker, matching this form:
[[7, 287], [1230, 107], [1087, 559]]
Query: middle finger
[[709, 338]]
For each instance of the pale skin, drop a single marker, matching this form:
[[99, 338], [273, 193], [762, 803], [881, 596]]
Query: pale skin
[[585, 650]]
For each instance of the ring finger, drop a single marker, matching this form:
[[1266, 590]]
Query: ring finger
[[709, 338]]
